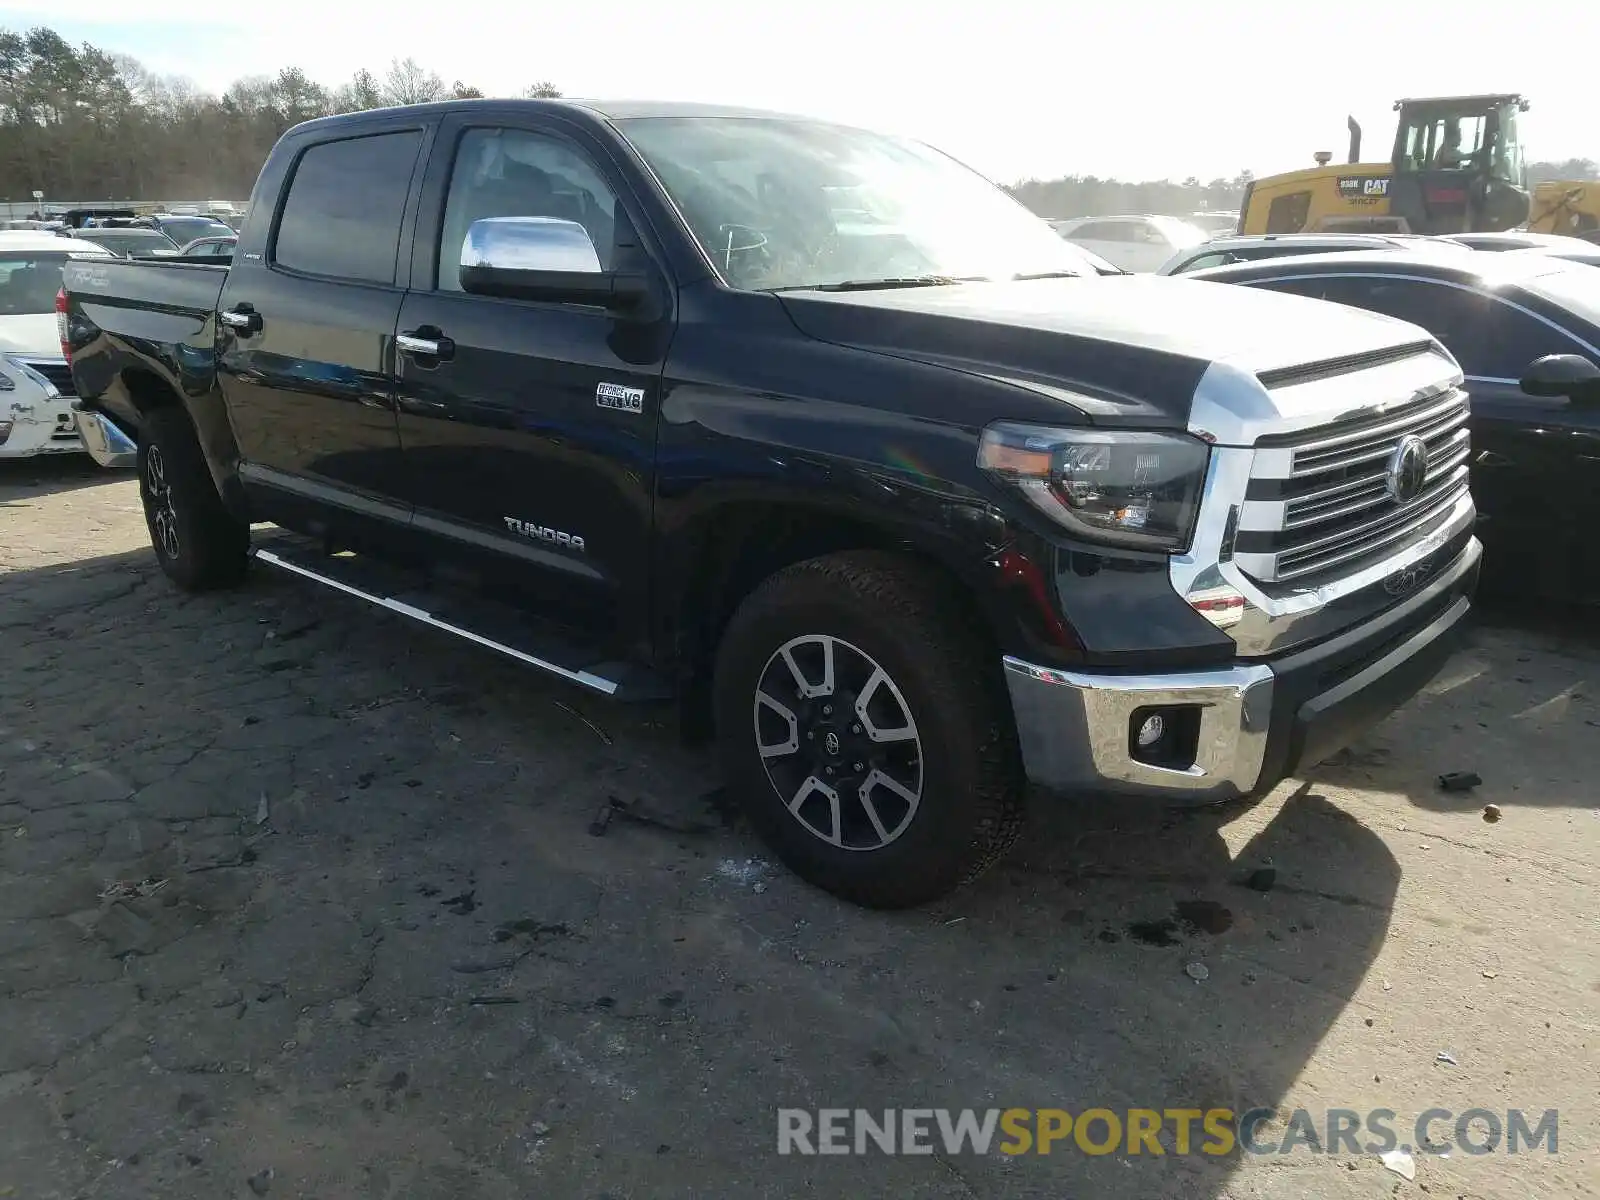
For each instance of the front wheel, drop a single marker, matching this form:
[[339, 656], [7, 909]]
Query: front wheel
[[863, 724], [198, 542]]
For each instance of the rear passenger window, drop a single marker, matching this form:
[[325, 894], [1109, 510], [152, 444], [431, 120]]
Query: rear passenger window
[[515, 173], [342, 215]]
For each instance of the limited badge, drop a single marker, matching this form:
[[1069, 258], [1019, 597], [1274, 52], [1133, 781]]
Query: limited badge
[[623, 399]]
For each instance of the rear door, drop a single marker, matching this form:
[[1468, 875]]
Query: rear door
[[530, 440], [306, 329]]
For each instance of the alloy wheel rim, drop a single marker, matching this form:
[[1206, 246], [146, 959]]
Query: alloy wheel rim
[[163, 516], [838, 742]]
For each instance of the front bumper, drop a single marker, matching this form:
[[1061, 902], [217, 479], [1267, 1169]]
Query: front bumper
[[1257, 722], [36, 424]]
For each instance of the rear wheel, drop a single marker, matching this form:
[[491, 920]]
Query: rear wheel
[[198, 542], [863, 725]]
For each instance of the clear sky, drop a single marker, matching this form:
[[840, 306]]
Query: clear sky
[[1149, 89]]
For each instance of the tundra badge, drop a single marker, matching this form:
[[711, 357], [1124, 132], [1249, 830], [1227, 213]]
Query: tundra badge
[[543, 533], [623, 399]]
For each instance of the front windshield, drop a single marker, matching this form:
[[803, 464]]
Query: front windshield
[[132, 242], [781, 204], [1181, 234], [186, 229], [29, 282]]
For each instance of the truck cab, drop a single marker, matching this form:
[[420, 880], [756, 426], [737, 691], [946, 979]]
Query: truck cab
[[1457, 164]]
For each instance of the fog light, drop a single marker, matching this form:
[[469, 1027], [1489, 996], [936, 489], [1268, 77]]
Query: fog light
[[1166, 736], [1151, 730]]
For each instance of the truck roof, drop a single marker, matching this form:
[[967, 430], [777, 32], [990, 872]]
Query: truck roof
[[608, 110]]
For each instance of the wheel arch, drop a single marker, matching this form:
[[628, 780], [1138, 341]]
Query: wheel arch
[[140, 389], [733, 549]]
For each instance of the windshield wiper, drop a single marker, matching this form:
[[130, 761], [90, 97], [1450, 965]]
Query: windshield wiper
[[901, 281], [1051, 275]]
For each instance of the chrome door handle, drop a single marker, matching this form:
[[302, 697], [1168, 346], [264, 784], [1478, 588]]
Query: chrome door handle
[[246, 320], [411, 344], [426, 342]]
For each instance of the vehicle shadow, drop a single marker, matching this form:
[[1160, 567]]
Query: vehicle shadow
[[24, 477], [671, 988], [1519, 706]]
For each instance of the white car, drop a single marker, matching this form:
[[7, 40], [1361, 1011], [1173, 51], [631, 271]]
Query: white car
[[35, 381], [1132, 243]]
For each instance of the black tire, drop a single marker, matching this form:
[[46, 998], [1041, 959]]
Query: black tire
[[198, 542], [940, 671]]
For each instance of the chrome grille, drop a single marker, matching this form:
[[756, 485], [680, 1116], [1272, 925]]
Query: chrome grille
[[1319, 503], [55, 370]]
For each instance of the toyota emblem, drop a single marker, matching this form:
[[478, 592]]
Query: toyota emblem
[[1408, 469], [832, 743]]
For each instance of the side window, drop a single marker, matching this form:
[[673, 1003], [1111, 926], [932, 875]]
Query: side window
[[1288, 213], [1511, 339], [1452, 315], [342, 215], [514, 173], [1490, 338], [1201, 262]]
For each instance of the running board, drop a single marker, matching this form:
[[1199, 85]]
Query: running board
[[508, 632]]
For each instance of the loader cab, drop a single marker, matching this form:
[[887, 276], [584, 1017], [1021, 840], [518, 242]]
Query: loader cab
[[1457, 164]]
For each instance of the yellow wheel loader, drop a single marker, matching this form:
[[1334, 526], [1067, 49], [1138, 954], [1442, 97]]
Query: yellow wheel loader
[[1456, 167]]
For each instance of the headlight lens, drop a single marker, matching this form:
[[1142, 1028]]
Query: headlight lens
[[1121, 487]]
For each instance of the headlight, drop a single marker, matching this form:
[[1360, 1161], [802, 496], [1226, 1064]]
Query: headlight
[[1123, 487]]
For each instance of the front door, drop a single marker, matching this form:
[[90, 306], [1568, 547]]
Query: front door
[[305, 350], [529, 437]]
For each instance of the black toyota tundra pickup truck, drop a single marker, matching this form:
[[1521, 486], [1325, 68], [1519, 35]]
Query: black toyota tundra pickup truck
[[814, 431]]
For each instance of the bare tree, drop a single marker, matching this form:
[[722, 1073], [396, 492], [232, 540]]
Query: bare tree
[[407, 82], [542, 91], [462, 91], [361, 93]]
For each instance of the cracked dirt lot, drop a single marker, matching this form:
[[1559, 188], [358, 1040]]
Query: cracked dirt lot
[[299, 900]]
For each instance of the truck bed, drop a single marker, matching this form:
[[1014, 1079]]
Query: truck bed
[[172, 286], [155, 315]]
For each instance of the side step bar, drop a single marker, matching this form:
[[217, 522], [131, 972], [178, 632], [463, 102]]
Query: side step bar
[[364, 581]]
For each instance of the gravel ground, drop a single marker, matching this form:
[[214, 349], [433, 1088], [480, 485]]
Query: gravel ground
[[299, 900]]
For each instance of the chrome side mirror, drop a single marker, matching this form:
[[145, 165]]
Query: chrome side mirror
[[546, 259], [529, 244]]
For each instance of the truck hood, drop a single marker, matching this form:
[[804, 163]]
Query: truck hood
[[1114, 347], [30, 334]]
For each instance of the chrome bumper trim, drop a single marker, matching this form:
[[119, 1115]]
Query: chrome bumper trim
[[1075, 731], [104, 441]]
